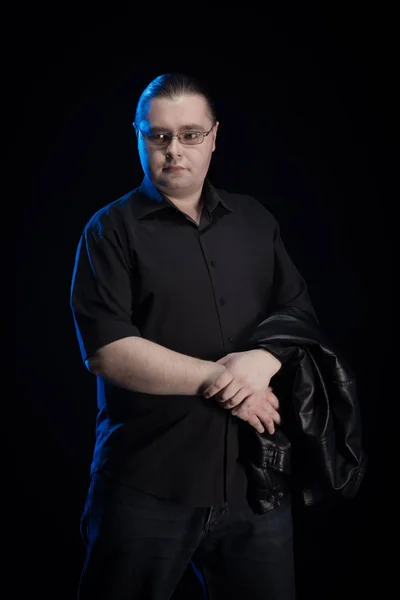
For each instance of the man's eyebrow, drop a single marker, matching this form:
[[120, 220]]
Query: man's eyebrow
[[190, 127]]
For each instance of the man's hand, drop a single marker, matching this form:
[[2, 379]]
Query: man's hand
[[259, 411], [247, 377], [246, 373]]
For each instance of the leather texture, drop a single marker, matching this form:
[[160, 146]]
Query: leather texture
[[318, 448]]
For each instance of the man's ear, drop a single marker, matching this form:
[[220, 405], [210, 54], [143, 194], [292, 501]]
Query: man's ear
[[215, 135]]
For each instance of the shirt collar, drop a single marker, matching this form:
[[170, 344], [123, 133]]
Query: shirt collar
[[151, 200]]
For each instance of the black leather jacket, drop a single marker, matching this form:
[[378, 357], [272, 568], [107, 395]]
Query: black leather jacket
[[317, 450]]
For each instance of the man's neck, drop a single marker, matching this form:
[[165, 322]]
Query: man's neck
[[191, 203], [187, 203]]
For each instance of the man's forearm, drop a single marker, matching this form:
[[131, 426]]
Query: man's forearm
[[139, 365]]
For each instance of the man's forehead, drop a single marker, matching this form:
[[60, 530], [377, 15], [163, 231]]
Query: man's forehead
[[180, 111]]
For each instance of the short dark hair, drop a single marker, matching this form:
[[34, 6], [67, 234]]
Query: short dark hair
[[173, 85]]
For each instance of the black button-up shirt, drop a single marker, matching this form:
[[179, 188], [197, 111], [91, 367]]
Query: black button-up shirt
[[145, 268]]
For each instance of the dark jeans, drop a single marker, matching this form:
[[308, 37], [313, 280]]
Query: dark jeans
[[139, 546]]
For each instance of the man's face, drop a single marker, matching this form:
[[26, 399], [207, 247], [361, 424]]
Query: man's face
[[177, 169]]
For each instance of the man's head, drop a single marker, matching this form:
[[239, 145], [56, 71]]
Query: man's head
[[172, 105]]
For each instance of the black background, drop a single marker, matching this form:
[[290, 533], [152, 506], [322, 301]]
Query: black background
[[307, 111]]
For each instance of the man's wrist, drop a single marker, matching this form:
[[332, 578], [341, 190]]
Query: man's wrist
[[275, 361]]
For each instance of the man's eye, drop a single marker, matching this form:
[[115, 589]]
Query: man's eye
[[191, 135], [159, 136]]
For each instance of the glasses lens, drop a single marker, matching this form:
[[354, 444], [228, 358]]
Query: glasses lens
[[190, 138], [158, 139]]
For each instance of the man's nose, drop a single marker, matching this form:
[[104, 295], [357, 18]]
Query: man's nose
[[174, 148]]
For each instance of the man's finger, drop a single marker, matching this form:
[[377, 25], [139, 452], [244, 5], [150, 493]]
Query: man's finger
[[275, 416], [218, 385], [267, 415], [269, 424], [231, 403], [256, 423], [272, 399], [223, 360], [269, 412]]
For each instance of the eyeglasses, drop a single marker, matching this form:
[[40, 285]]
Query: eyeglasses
[[187, 138]]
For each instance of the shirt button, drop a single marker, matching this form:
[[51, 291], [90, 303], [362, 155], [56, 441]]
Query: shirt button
[[230, 339], [222, 301], [212, 263]]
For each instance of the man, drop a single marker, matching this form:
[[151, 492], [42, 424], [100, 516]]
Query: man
[[169, 283]]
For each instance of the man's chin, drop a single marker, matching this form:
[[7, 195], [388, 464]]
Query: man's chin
[[176, 184]]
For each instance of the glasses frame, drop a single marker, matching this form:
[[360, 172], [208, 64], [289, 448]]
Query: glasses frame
[[204, 134]]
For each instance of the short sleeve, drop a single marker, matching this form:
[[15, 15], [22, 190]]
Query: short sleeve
[[289, 291], [289, 286], [101, 296]]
